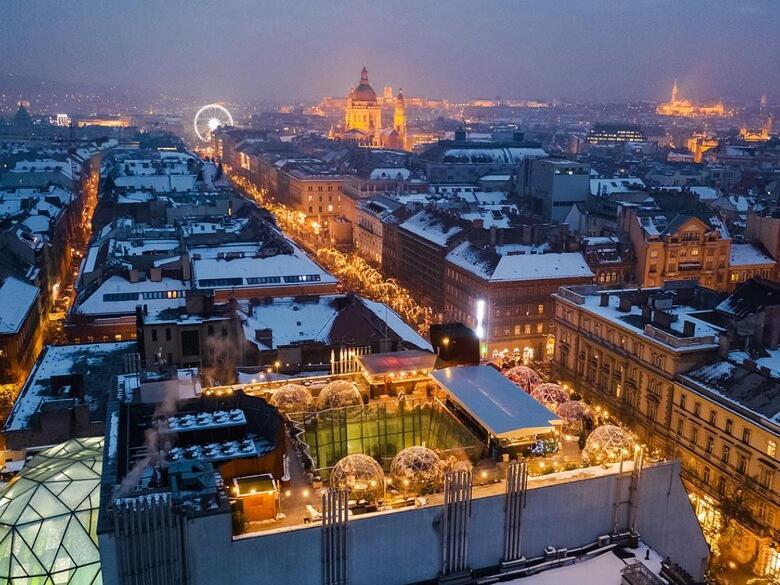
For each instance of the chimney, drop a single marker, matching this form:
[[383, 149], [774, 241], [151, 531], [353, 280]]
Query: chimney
[[647, 312], [625, 304], [134, 275], [194, 304], [155, 274], [689, 328], [604, 302], [724, 345], [265, 336]]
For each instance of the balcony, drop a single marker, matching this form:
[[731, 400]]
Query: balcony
[[689, 266]]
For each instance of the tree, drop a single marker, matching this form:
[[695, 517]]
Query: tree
[[8, 394]]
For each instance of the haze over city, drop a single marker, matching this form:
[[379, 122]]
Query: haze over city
[[389, 293], [276, 51]]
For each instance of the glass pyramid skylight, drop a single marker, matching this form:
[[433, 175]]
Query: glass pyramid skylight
[[48, 518]]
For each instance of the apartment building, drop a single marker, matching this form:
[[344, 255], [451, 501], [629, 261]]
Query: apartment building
[[695, 377], [672, 245], [505, 292]]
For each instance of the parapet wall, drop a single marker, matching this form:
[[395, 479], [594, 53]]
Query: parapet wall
[[398, 548]]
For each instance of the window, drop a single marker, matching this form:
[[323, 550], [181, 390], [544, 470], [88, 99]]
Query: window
[[652, 410], [528, 329], [680, 423], [710, 443], [746, 436], [742, 464], [154, 334], [540, 309], [167, 334], [539, 327], [211, 329], [302, 278], [213, 282], [765, 476], [713, 417], [694, 434], [112, 297], [726, 454], [771, 448], [682, 401], [729, 426], [163, 294], [263, 279], [706, 475], [697, 409], [190, 342]]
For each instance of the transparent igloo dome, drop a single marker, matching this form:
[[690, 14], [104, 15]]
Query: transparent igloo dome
[[292, 398], [361, 475], [416, 470], [338, 394], [524, 377], [574, 413], [549, 394], [608, 444]]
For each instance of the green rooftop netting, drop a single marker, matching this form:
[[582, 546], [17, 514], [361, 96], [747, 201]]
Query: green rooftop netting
[[48, 518]]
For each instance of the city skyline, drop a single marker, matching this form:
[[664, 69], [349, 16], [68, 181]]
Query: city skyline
[[239, 50]]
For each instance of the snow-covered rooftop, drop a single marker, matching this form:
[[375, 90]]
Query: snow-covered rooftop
[[518, 262], [94, 361], [567, 265], [18, 298], [432, 227], [243, 269], [604, 569], [491, 154], [118, 296], [609, 186], [749, 255], [292, 321], [704, 334], [744, 384]]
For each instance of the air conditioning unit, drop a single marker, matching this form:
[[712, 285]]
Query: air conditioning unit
[[604, 540]]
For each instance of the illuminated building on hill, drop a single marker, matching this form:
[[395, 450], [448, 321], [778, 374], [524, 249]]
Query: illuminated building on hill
[[686, 108]]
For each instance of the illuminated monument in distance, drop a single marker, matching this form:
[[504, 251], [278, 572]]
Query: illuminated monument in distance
[[762, 135], [687, 109], [363, 118]]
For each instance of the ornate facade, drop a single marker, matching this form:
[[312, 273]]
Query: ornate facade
[[363, 118]]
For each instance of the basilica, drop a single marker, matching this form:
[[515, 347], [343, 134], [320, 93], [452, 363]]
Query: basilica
[[363, 122]]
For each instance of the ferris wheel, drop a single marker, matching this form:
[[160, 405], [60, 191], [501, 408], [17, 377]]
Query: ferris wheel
[[209, 118]]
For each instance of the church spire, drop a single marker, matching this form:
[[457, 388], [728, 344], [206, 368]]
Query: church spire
[[364, 75], [674, 91]]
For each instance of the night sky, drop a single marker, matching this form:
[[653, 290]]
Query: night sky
[[282, 50]]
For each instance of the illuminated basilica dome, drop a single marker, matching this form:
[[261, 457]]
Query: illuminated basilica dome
[[363, 92]]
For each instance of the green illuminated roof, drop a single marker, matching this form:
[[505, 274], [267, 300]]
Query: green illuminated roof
[[48, 518]]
